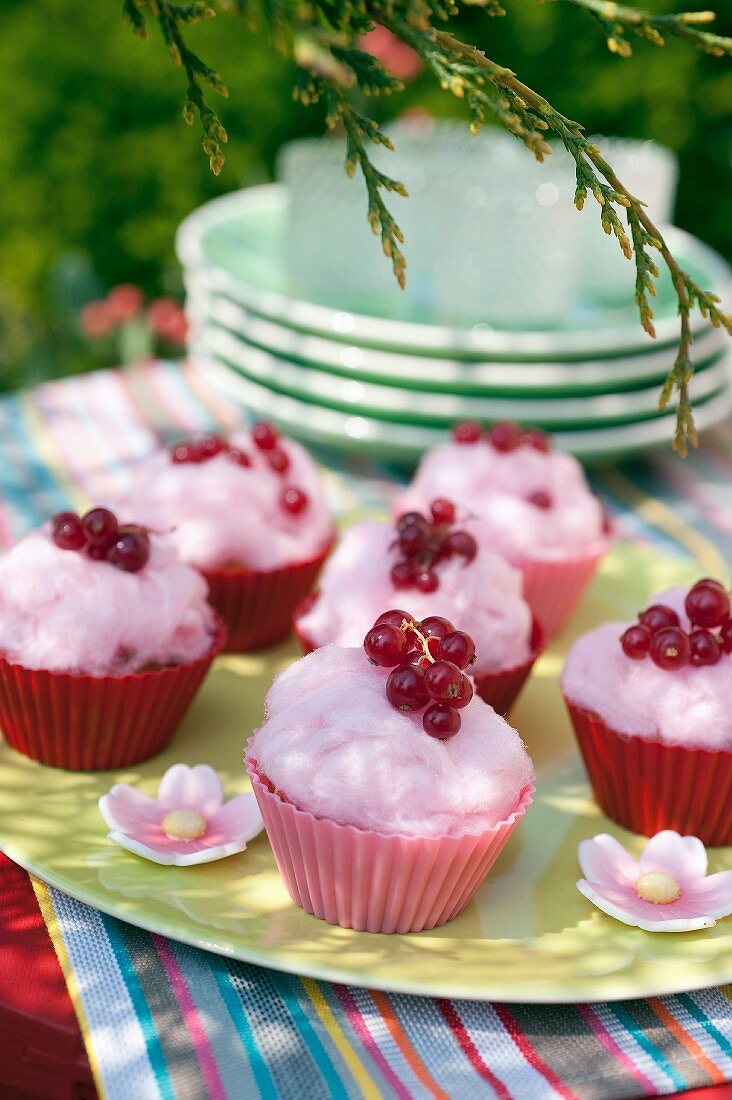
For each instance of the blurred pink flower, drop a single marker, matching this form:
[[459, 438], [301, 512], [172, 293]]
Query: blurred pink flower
[[96, 320], [167, 320], [124, 301], [396, 56]]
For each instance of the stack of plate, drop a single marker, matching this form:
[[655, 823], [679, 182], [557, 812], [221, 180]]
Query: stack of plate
[[392, 388]]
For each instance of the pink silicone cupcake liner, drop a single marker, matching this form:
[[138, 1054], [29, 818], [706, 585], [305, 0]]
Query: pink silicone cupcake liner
[[257, 605], [553, 589], [93, 723], [377, 882], [646, 785], [499, 689]]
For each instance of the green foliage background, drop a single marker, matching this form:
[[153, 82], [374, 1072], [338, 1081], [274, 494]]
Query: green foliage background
[[97, 167]]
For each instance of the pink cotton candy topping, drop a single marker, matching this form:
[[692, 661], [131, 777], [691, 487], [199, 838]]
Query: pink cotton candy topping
[[496, 486], [223, 514], [688, 706], [334, 746], [61, 611], [482, 597]]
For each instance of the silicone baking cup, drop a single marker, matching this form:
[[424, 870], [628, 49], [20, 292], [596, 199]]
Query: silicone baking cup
[[377, 882], [553, 589], [257, 605], [499, 689], [646, 785], [93, 723]]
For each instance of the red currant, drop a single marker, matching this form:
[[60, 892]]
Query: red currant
[[385, 645], [443, 681], [505, 435], [707, 604], [265, 436], [464, 695], [279, 460], [183, 452], [67, 532], [426, 581], [536, 439], [460, 543], [657, 616], [468, 431], [459, 648], [241, 458], [441, 721], [540, 499], [670, 647], [443, 510], [130, 552], [434, 628], [100, 526], [706, 648], [636, 641], [211, 445], [405, 688], [393, 618], [409, 518], [412, 539], [726, 636], [402, 574], [294, 500]]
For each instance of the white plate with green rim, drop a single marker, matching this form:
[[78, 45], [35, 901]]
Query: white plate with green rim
[[405, 443], [438, 409], [236, 245], [390, 403], [424, 373]]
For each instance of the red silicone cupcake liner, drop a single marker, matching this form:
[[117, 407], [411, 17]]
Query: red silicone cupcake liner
[[646, 785], [553, 589], [499, 689], [377, 882], [93, 723], [257, 606]]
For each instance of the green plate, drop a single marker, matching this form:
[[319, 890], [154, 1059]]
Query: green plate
[[425, 374], [529, 935], [440, 410], [404, 441], [236, 245]]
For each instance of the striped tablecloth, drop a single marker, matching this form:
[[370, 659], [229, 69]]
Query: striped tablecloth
[[164, 1020]]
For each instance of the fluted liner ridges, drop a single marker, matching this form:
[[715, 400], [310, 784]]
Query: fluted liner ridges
[[499, 689], [377, 882], [553, 589], [646, 785], [93, 723], [257, 606]]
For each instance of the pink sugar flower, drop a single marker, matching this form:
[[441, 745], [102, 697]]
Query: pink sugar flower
[[666, 890], [187, 823]]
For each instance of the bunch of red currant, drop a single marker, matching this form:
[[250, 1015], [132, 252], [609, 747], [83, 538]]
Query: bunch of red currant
[[424, 542], [266, 439], [426, 660], [504, 435], [102, 538], [658, 633]]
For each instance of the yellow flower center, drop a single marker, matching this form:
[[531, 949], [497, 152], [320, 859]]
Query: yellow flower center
[[658, 887], [184, 825]]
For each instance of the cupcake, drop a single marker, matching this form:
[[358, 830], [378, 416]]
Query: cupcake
[[533, 506], [386, 801], [105, 638], [249, 513], [437, 566], [651, 705]]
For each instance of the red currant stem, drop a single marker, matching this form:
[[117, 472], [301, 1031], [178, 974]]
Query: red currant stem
[[408, 624]]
